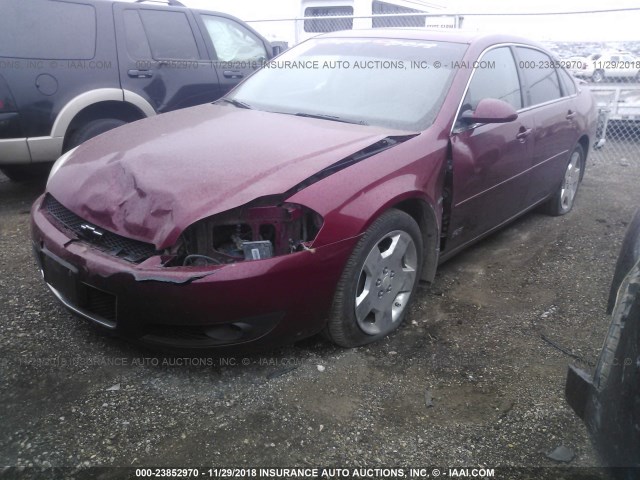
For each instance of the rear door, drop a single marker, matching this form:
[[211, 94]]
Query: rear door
[[237, 50], [163, 58], [551, 103], [490, 161]]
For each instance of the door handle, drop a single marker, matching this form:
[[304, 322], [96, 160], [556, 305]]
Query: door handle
[[570, 115], [233, 74], [140, 73], [523, 133]]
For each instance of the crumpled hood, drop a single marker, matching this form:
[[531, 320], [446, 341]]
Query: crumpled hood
[[152, 179]]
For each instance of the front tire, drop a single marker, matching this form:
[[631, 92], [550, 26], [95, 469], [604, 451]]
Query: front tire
[[378, 281], [562, 201]]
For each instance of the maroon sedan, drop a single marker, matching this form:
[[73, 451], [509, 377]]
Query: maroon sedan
[[316, 195]]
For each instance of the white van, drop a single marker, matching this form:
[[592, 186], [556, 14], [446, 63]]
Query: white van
[[292, 21]]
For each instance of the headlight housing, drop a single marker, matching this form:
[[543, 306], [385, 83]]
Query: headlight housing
[[252, 232]]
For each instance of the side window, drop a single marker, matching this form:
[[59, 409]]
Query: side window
[[232, 42], [568, 85], [540, 76], [170, 35], [46, 29], [496, 77], [137, 43], [327, 24]]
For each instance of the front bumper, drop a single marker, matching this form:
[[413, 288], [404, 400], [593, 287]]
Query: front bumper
[[264, 302]]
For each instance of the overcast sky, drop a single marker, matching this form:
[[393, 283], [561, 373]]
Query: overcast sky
[[596, 27]]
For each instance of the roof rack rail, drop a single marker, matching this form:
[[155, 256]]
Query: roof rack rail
[[171, 3]]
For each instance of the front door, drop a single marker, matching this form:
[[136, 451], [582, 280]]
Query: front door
[[490, 161]]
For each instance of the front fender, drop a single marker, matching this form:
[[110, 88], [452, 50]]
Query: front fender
[[351, 199]]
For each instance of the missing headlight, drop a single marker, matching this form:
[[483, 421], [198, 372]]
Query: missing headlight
[[248, 233]]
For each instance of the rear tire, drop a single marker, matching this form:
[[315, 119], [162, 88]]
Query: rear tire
[[562, 201], [92, 129], [378, 282]]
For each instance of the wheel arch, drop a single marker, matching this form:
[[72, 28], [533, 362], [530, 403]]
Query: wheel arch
[[583, 141], [100, 103], [424, 215]]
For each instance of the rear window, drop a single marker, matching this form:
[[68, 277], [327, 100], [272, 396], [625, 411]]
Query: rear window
[[541, 76], [170, 35], [47, 29], [568, 87], [137, 44]]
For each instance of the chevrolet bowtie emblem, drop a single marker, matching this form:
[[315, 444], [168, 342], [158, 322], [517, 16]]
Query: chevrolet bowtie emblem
[[91, 232]]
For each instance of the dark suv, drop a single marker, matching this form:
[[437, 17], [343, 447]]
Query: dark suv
[[72, 69]]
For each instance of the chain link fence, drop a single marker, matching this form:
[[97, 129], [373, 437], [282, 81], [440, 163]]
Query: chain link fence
[[610, 69]]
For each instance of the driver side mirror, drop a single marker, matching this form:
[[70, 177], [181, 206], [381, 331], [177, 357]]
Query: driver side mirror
[[490, 110]]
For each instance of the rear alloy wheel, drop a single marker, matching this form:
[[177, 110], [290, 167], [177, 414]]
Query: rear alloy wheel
[[562, 202], [378, 281]]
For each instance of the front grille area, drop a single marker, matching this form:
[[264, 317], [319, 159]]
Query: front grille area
[[116, 245]]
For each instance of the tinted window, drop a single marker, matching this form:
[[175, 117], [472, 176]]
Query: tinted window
[[328, 24], [233, 42], [47, 30], [495, 77], [568, 86], [137, 44], [169, 34], [541, 78]]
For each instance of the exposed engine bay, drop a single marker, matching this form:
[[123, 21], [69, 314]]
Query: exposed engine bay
[[251, 232]]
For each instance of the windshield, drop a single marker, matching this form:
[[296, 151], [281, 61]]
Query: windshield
[[394, 83]]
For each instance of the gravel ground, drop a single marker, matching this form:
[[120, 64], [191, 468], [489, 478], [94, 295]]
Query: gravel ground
[[467, 381]]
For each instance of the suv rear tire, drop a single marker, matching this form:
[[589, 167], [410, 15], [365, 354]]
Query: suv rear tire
[[92, 129]]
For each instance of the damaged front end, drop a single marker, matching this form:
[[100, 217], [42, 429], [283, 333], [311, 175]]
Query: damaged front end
[[259, 230], [163, 297]]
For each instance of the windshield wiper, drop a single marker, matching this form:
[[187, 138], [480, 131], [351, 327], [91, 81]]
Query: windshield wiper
[[235, 103], [329, 117]]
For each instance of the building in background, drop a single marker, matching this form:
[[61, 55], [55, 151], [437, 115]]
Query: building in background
[[292, 21]]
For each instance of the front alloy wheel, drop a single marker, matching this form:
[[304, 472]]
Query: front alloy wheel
[[386, 282], [378, 281]]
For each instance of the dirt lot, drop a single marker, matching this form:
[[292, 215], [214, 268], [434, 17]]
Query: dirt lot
[[467, 381]]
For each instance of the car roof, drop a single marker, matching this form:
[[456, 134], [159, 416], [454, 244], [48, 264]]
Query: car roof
[[443, 35]]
